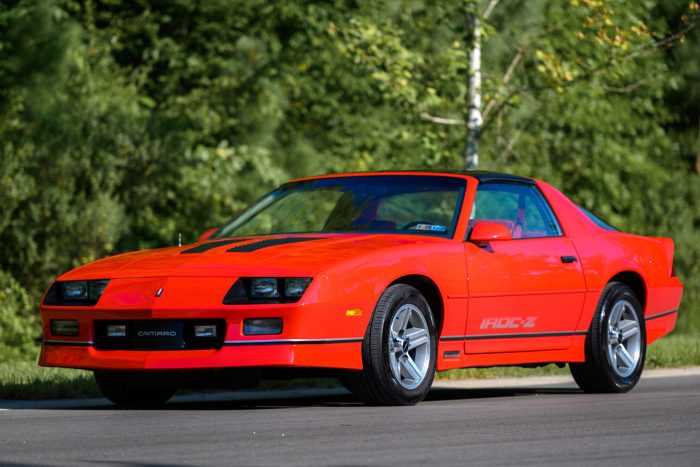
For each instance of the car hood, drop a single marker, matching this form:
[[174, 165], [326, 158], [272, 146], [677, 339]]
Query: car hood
[[284, 255]]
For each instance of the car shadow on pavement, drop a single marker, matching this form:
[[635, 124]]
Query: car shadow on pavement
[[348, 400], [311, 397], [451, 394]]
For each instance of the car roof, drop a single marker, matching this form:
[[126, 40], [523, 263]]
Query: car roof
[[481, 175]]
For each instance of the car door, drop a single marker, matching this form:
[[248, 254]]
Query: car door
[[525, 293]]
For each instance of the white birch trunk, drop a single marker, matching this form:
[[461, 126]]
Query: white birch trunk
[[474, 120]]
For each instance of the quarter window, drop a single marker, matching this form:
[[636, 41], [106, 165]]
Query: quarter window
[[519, 207]]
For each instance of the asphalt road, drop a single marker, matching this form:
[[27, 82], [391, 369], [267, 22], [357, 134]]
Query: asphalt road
[[657, 423]]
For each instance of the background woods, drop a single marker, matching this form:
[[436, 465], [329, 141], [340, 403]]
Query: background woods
[[123, 122]]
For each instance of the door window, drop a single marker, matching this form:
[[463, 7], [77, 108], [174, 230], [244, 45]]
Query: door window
[[519, 207]]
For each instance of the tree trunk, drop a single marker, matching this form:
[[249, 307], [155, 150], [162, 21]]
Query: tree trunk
[[474, 120]]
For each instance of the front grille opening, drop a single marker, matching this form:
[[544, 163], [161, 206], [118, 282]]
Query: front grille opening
[[155, 334]]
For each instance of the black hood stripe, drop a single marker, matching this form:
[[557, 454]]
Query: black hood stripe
[[211, 245], [255, 246]]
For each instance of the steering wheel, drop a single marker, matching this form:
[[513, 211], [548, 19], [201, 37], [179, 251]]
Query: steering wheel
[[414, 223]]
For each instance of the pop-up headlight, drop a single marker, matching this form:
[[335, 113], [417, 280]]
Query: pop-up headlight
[[75, 290], [296, 286], [264, 287], [251, 290], [75, 293]]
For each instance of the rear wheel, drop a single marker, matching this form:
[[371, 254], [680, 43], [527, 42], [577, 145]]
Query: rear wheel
[[615, 344], [399, 350], [130, 389]]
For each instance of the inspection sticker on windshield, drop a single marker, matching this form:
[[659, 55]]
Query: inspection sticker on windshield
[[431, 227]]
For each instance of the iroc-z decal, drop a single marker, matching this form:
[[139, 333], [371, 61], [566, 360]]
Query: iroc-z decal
[[508, 322]]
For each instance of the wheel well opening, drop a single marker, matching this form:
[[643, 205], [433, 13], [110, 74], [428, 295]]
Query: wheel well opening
[[430, 291], [635, 282]]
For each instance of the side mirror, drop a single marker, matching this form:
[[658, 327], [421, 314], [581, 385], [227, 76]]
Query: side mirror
[[484, 232], [206, 234]]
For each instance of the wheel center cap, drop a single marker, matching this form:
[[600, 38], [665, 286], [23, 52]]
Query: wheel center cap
[[615, 337]]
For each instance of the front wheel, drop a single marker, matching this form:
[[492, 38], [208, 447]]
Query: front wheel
[[129, 389], [615, 344], [399, 350]]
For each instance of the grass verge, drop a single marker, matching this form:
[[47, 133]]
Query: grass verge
[[27, 381], [674, 351]]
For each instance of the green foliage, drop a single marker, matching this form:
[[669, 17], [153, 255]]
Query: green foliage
[[125, 123], [19, 325]]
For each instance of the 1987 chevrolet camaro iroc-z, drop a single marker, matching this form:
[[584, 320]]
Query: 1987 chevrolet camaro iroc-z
[[382, 278]]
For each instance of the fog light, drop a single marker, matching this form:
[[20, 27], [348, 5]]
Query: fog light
[[262, 326], [205, 330], [67, 328], [116, 330]]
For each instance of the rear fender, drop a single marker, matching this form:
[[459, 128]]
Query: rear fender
[[669, 251]]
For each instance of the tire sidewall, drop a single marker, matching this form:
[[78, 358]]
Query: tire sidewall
[[613, 294], [119, 387], [408, 295]]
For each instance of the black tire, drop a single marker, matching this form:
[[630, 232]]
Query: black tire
[[600, 373], [130, 389], [377, 384]]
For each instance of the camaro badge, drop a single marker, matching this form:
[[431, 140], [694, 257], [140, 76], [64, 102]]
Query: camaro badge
[[160, 292], [157, 333]]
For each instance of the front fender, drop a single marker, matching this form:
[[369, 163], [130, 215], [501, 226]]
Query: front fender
[[352, 288]]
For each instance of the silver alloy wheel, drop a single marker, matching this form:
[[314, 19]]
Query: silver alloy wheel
[[409, 346], [624, 339]]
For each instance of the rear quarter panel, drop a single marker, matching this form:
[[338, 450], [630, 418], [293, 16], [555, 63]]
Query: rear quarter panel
[[605, 253]]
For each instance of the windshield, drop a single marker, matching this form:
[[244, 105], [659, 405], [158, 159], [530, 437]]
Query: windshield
[[427, 205]]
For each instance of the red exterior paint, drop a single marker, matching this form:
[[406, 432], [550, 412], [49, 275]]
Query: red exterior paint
[[505, 287]]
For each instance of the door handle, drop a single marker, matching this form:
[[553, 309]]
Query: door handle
[[568, 259]]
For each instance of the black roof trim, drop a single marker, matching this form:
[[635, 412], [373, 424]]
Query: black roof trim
[[482, 175]]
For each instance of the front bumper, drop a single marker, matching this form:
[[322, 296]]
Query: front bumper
[[317, 332], [318, 354]]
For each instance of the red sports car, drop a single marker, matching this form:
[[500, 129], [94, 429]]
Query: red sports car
[[382, 278]]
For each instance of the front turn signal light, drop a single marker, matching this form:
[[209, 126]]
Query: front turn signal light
[[262, 326], [64, 327]]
